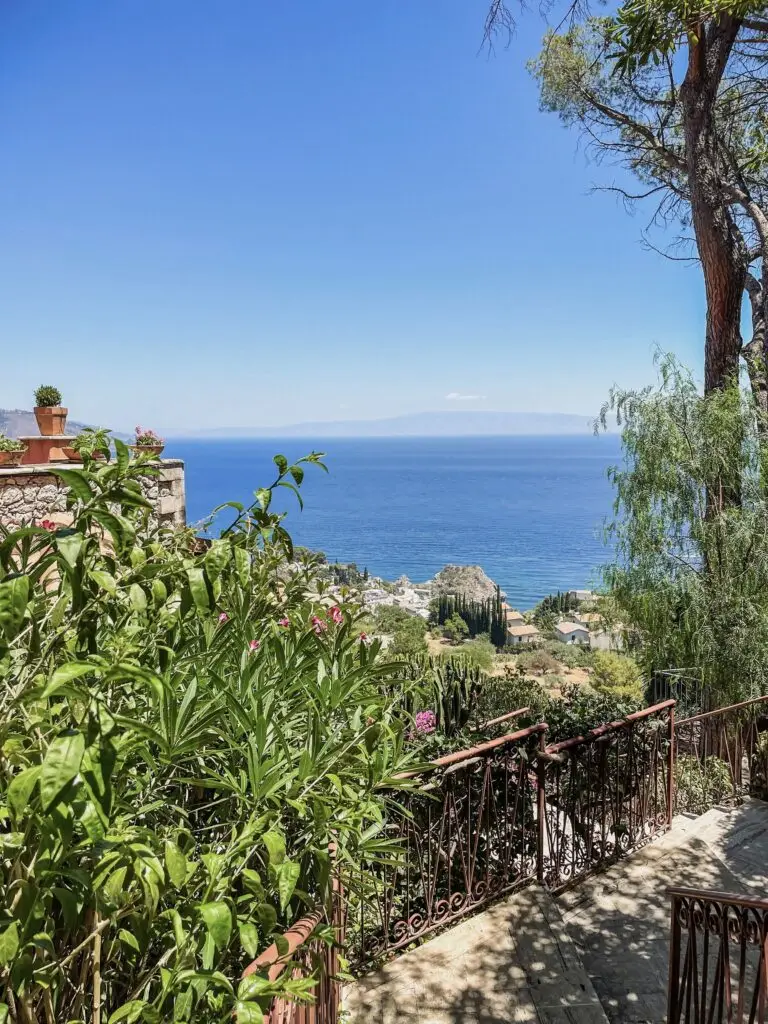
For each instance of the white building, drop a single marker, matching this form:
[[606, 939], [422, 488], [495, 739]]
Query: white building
[[581, 595], [512, 615], [572, 633], [522, 633]]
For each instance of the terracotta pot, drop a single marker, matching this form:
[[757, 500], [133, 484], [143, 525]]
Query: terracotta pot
[[74, 456], [155, 450], [11, 458], [51, 419]]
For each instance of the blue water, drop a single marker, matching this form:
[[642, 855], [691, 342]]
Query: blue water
[[529, 510]]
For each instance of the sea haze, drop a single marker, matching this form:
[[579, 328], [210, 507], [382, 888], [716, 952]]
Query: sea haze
[[529, 510]]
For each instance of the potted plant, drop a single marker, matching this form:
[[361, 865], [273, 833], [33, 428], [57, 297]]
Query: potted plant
[[51, 417], [11, 450], [90, 443], [147, 442]]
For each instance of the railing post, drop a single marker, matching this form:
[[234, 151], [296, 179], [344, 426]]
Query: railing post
[[673, 984], [541, 808], [671, 767]]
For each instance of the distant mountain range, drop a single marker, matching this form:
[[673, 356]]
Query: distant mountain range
[[22, 423], [421, 424]]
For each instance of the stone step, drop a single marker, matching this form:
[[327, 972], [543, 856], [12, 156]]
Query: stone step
[[515, 962]]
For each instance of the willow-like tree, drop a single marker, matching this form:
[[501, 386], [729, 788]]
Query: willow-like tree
[[690, 577]]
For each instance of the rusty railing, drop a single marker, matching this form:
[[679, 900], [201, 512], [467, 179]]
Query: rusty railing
[[604, 793], [305, 954], [718, 958], [467, 836]]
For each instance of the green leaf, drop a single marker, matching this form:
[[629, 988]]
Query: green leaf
[[14, 594], [76, 481], [281, 462], [267, 916], [128, 1012], [218, 921], [138, 598], [61, 764], [217, 558], [129, 939], [249, 937], [287, 877], [3, 1013], [122, 455], [248, 1013], [9, 943], [104, 580], [275, 845], [20, 789], [69, 544], [159, 593], [199, 588], [175, 864], [119, 529]]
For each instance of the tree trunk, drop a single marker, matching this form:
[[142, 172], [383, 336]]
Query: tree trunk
[[721, 247]]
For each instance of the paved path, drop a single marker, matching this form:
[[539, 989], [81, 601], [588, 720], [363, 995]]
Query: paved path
[[534, 959], [514, 962], [619, 919]]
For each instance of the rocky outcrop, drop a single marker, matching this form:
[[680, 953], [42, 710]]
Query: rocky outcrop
[[470, 580]]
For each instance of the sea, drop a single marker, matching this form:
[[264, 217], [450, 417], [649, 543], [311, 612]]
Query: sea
[[529, 510]]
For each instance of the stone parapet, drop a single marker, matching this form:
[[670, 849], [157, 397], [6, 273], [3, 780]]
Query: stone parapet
[[29, 494]]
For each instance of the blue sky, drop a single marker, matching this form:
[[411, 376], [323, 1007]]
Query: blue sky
[[217, 215]]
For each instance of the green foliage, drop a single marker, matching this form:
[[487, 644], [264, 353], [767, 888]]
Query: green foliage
[[537, 661], [477, 652], [701, 784], [146, 438], [690, 576], [759, 768], [455, 629], [10, 444], [448, 686], [553, 608], [92, 441], [581, 708], [570, 655], [47, 396], [617, 674], [407, 631], [183, 734], [480, 616], [502, 694]]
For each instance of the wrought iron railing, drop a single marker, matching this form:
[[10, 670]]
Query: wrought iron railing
[[467, 835], [604, 793], [718, 958], [715, 754]]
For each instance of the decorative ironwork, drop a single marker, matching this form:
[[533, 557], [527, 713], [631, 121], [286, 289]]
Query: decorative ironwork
[[605, 793], [729, 735], [718, 958], [466, 836]]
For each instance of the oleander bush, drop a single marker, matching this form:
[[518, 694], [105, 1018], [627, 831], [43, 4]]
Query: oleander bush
[[184, 730]]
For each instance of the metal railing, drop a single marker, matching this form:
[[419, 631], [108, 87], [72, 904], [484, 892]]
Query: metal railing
[[605, 793], [467, 836], [718, 958], [305, 954], [715, 754]]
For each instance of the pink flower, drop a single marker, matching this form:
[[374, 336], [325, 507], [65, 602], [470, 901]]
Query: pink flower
[[48, 524], [336, 615], [319, 625], [254, 645], [223, 617], [284, 622], [364, 638], [425, 722]]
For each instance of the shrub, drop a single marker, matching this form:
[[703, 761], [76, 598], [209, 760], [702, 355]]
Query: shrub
[[92, 441], [47, 396], [570, 655], [580, 709], [476, 652], [617, 674], [184, 732], [455, 629], [10, 444], [502, 694], [701, 784], [537, 661]]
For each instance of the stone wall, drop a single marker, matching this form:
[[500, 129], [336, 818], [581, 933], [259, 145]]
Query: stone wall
[[29, 494]]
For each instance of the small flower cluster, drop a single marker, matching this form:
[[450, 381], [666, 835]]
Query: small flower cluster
[[48, 524], [145, 436], [425, 723], [320, 625]]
